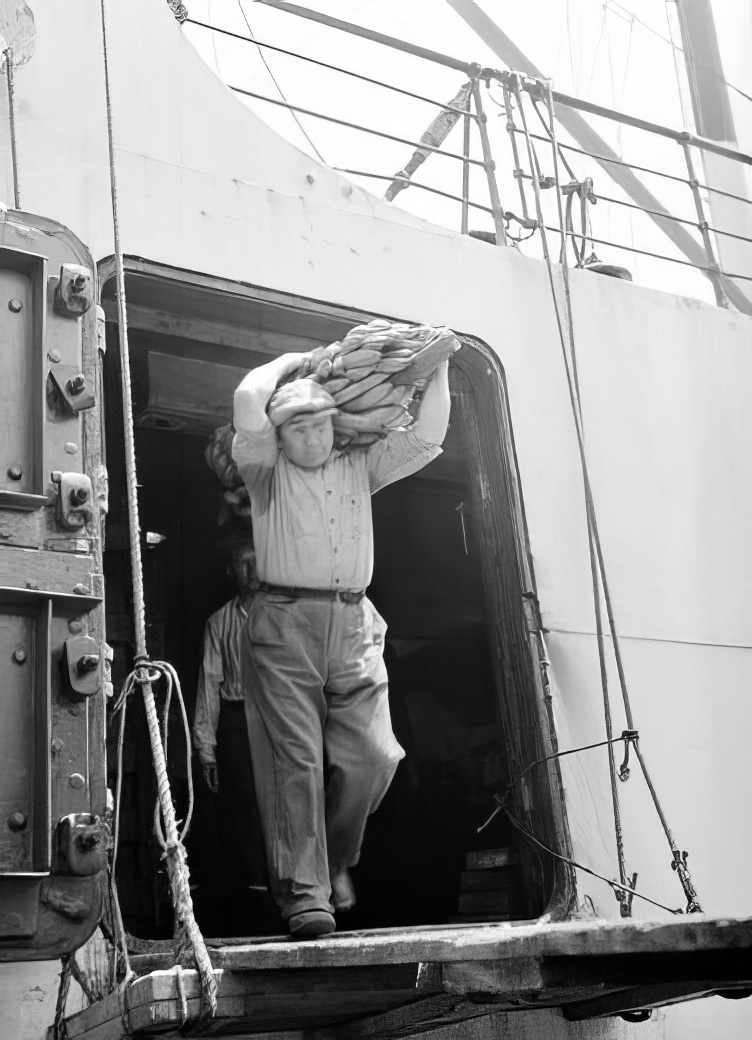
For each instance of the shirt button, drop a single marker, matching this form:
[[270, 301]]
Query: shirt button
[[331, 520], [328, 492], [336, 549], [336, 581]]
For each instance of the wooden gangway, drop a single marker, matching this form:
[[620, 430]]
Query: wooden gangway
[[394, 982]]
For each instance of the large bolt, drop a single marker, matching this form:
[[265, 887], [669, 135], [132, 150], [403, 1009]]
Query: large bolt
[[15, 471], [87, 663], [19, 656], [16, 821], [76, 385], [78, 495], [15, 305], [76, 781]]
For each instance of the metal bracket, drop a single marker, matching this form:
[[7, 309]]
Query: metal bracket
[[81, 845], [73, 508], [73, 387], [74, 293], [624, 899], [80, 667]]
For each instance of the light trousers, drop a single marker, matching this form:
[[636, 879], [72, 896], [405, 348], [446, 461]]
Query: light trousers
[[321, 737]]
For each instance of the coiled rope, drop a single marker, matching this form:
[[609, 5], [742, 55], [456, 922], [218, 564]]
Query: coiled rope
[[598, 569], [145, 671]]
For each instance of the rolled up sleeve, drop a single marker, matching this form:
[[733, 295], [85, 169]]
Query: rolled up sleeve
[[254, 446], [399, 455]]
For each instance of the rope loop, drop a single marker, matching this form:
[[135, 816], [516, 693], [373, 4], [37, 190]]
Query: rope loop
[[148, 677]]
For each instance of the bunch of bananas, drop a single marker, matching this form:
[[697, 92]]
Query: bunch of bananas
[[373, 374], [218, 455]]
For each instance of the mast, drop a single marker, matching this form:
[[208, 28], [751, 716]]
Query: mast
[[714, 119], [702, 57]]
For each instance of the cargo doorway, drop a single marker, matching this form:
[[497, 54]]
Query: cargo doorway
[[447, 579]]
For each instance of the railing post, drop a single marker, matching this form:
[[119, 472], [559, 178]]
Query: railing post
[[489, 166], [512, 131], [465, 174], [715, 273]]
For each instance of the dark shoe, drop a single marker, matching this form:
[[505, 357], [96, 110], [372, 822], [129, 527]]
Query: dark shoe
[[343, 892], [309, 924]]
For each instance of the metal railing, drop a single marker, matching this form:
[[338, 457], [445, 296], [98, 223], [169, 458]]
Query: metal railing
[[695, 239]]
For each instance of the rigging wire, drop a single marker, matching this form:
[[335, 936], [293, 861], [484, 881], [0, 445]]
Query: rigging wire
[[326, 65], [570, 363], [625, 14], [622, 892], [679, 858], [302, 129]]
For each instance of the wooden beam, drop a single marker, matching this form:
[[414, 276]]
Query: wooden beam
[[443, 944], [217, 333], [255, 1001], [638, 997], [420, 1017], [396, 982]]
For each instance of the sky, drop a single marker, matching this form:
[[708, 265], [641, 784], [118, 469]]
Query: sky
[[621, 55]]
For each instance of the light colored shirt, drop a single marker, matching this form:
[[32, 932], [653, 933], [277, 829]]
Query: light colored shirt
[[219, 676], [313, 527]]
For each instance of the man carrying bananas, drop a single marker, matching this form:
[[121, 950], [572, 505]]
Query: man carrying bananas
[[316, 687]]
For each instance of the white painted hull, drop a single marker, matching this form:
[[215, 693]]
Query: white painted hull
[[204, 186]]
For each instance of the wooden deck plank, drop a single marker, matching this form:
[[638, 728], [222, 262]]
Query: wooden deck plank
[[500, 941], [355, 984]]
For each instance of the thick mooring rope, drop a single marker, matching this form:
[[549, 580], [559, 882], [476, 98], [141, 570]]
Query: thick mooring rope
[[145, 673]]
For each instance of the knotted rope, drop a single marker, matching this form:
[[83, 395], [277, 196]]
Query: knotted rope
[[146, 672]]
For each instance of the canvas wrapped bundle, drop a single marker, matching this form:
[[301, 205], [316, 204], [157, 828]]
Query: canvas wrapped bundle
[[374, 375], [218, 455]]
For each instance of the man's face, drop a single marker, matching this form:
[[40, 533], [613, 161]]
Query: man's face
[[243, 571], [307, 440]]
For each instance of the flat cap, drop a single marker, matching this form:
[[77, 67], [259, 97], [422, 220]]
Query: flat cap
[[299, 396]]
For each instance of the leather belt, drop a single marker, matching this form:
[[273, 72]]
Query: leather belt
[[299, 592]]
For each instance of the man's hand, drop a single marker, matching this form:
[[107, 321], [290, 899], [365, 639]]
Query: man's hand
[[211, 776]]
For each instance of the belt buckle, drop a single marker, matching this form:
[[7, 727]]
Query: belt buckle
[[348, 596]]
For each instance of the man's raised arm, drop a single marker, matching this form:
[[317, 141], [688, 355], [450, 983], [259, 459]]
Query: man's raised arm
[[255, 442], [404, 452]]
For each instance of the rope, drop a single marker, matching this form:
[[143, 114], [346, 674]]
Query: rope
[[570, 365], [143, 675], [629, 736], [622, 891], [275, 81], [59, 1027], [179, 10], [600, 581], [8, 55]]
